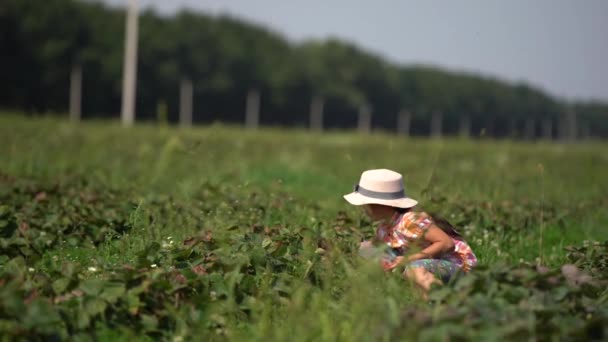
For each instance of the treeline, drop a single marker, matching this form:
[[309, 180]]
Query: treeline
[[225, 59]]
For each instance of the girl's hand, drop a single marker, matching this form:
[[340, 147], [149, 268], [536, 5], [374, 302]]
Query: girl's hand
[[367, 250], [390, 265], [366, 244]]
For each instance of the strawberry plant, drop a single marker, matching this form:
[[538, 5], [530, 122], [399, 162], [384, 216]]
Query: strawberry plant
[[220, 234]]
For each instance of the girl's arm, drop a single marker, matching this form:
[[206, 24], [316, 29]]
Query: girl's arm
[[439, 243]]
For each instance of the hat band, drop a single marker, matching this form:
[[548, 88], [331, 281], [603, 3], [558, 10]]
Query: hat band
[[379, 195]]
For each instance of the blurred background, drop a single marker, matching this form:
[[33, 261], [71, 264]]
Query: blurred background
[[501, 69]]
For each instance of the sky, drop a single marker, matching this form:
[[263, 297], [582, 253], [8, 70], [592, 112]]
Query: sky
[[560, 46]]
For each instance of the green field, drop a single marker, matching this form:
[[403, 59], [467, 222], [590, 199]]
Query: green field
[[220, 233]]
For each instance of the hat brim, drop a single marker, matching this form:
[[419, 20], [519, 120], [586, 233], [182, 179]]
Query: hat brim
[[356, 198]]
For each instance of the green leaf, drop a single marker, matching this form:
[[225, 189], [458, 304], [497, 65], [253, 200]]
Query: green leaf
[[60, 285], [267, 242], [149, 322], [82, 320], [112, 291], [218, 284], [40, 315], [561, 293], [94, 306], [92, 287], [9, 325], [133, 302], [16, 265]]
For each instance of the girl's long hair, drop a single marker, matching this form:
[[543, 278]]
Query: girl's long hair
[[440, 222]]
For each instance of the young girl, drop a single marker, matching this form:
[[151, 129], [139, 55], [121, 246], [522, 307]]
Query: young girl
[[430, 249]]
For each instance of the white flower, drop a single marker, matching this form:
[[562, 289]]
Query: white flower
[[153, 265], [31, 269], [92, 269]]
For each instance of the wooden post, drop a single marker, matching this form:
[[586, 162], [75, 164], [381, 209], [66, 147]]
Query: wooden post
[[75, 93], [562, 128], [365, 119], [547, 125], [404, 120], [572, 129], [465, 126], [130, 65], [185, 102], [316, 113], [568, 130], [529, 129], [436, 118], [252, 117]]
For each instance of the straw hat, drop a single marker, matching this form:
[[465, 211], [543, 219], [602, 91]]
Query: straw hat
[[380, 187]]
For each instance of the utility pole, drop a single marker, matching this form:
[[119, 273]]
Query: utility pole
[[547, 129], [572, 128], [436, 118], [130, 65], [404, 119], [316, 114], [465, 126], [365, 119], [75, 93], [185, 102], [568, 130], [530, 129], [252, 116]]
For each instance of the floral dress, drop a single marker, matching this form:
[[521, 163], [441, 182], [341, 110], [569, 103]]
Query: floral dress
[[408, 228]]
